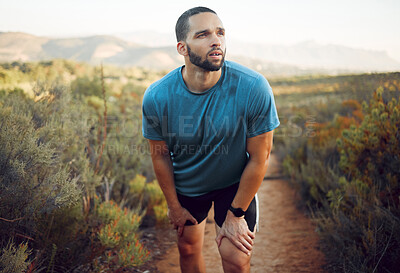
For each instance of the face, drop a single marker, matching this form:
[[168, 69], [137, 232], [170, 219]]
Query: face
[[206, 41]]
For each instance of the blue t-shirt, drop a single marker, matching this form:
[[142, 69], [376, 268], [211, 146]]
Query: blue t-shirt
[[206, 132]]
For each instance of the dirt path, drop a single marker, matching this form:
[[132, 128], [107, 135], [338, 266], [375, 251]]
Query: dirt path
[[286, 241]]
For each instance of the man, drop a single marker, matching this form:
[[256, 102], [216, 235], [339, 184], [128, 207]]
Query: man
[[210, 125]]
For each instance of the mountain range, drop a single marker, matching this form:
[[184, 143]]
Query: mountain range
[[302, 58]]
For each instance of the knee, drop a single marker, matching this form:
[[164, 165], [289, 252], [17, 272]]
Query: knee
[[235, 258], [238, 261], [187, 249]]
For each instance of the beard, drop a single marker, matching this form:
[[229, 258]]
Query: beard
[[206, 64]]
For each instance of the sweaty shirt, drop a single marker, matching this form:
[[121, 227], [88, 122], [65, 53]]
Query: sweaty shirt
[[206, 132]]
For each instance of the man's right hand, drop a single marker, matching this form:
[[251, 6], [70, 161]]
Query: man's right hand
[[178, 217]]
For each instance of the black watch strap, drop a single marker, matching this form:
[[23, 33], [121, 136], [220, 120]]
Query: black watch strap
[[238, 212]]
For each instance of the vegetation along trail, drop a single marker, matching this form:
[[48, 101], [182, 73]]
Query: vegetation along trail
[[286, 241]]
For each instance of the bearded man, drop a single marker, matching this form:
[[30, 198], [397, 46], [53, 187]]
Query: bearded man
[[210, 128]]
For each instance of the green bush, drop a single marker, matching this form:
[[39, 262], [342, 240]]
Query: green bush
[[58, 151], [33, 180], [14, 258], [41, 182]]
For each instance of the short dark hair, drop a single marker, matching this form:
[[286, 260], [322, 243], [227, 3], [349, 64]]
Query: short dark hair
[[182, 25]]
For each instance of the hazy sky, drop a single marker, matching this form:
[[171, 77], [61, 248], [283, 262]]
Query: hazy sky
[[368, 24]]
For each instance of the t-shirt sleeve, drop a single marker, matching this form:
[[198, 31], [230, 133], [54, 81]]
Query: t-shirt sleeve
[[151, 125], [262, 115]]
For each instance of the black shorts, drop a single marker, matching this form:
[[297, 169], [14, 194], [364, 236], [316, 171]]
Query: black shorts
[[199, 206]]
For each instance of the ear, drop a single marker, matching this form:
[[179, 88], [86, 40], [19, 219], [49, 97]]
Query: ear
[[181, 48]]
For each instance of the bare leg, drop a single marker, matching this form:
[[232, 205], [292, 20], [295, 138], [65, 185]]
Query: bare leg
[[233, 259], [190, 246]]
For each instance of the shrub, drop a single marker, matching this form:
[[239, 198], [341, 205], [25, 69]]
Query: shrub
[[154, 193], [137, 185], [157, 203], [44, 185], [161, 213], [14, 258], [368, 199], [52, 165], [40, 186], [349, 176], [118, 236]]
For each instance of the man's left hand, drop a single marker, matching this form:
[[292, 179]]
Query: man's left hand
[[236, 230]]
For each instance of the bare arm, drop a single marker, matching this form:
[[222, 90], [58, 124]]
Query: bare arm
[[163, 169], [162, 165], [259, 149], [235, 228]]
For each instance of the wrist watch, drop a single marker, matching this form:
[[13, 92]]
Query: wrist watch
[[238, 212]]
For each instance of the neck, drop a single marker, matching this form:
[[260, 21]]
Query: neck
[[199, 80]]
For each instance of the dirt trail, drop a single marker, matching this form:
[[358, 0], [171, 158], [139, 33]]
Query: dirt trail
[[286, 241]]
